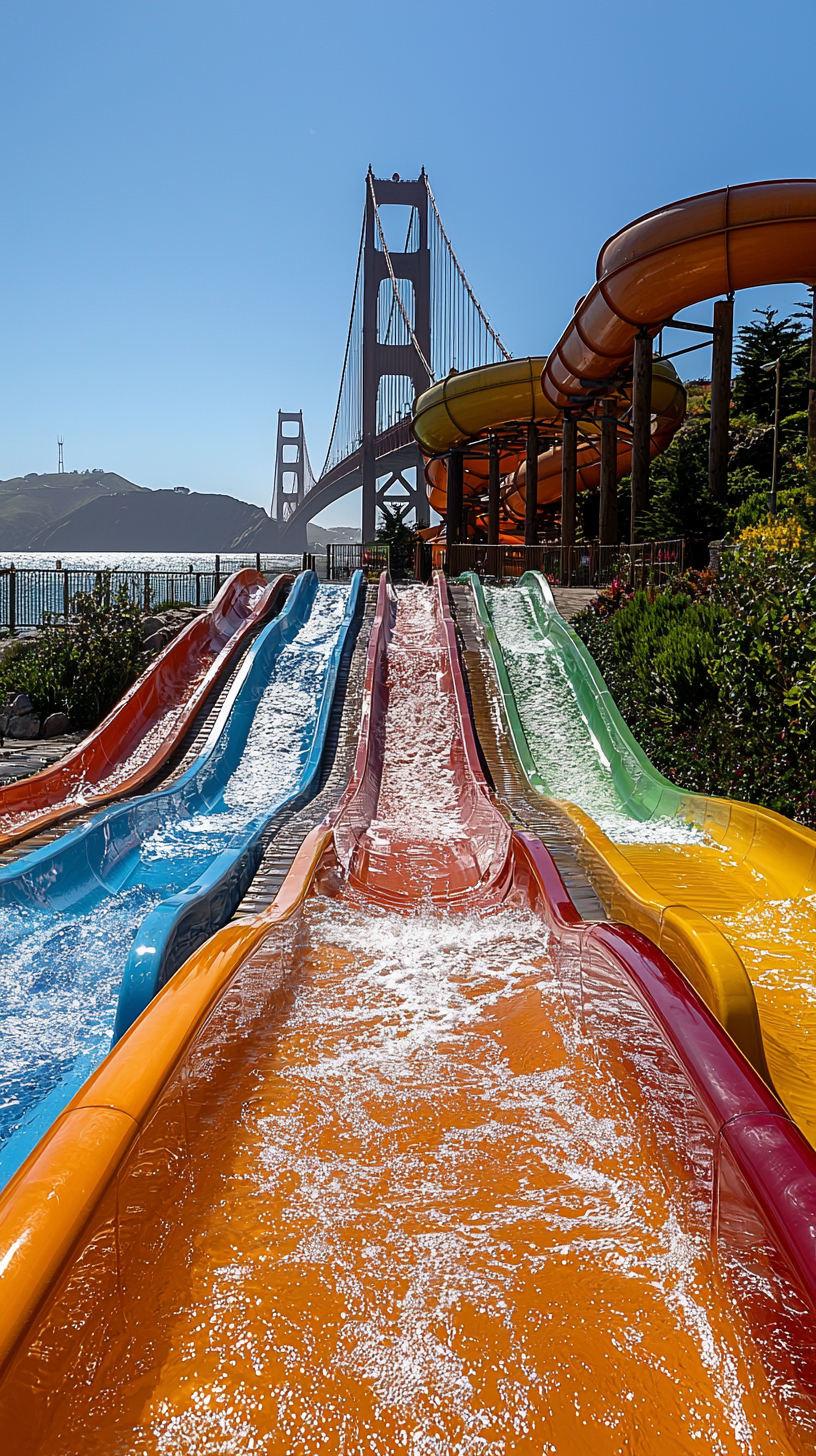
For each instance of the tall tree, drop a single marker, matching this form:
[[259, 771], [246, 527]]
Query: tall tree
[[761, 342]]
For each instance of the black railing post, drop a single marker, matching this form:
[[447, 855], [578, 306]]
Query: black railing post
[[217, 575], [66, 596], [12, 599]]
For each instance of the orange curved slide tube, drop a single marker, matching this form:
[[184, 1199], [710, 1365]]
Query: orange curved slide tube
[[679, 255], [138, 736]]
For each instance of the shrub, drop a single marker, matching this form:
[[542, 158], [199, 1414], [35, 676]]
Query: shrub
[[718, 681], [84, 668]]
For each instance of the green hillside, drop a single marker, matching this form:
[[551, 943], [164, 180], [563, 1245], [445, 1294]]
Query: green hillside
[[29, 503]]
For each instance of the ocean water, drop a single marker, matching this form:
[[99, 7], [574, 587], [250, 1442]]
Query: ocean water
[[141, 560]]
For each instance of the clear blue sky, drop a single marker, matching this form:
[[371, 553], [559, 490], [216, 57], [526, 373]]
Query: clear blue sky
[[182, 188]]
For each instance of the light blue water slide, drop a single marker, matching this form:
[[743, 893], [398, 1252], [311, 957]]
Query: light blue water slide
[[92, 926]]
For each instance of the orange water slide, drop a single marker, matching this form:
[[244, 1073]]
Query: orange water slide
[[374, 1175], [736, 237], [136, 739]]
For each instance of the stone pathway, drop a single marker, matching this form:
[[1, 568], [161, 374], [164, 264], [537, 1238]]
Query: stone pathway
[[19, 760], [572, 599]]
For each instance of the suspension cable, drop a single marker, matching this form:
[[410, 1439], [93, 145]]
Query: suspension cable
[[348, 346], [460, 270]]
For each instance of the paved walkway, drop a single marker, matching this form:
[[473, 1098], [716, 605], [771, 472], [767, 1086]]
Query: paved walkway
[[572, 599], [21, 758]]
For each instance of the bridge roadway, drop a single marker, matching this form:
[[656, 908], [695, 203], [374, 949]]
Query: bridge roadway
[[395, 450]]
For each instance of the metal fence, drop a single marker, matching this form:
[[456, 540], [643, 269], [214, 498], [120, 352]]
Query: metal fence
[[639, 563], [343, 560]]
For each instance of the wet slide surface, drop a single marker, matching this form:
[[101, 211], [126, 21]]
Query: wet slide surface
[[63, 960], [773, 933], [418, 1205]]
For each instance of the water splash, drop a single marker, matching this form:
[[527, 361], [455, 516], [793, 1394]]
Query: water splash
[[564, 748]]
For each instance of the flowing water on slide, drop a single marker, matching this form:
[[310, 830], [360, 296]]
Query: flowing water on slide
[[424, 1211], [774, 938], [60, 972], [564, 749]]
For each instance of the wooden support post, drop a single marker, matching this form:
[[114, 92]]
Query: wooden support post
[[641, 427], [811, 433], [531, 496], [569, 479], [608, 514], [493, 494], [720, 397], [453, 509]]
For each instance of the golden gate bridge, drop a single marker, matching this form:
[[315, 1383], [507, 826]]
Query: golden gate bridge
[[414, 318]]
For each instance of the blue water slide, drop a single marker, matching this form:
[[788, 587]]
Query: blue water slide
[[92, 925], [170, 934]]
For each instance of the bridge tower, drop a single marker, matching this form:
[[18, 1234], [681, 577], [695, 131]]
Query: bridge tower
[[381, 360], [290, 466]]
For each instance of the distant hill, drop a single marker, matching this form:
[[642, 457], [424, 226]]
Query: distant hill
[[29, 503], [158, 520], [102, 511]]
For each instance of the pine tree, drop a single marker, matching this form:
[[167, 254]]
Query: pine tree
[[761, 343]]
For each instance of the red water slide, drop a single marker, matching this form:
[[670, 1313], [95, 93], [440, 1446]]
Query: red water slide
[[144, 728]]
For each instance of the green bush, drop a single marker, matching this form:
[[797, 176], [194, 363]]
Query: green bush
[[82, 669], [721, 690]]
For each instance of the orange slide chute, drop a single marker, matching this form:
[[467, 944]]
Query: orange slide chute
[[672, 258], [391, 1180], [136, 739], [677, 256]]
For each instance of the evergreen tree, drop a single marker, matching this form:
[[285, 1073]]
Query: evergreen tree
[[762, 342], [400, 538]]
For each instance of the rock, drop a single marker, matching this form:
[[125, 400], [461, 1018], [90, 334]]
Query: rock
[[149, 626], [154, 643], [55, 725], [20, 706], [23, 728]]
